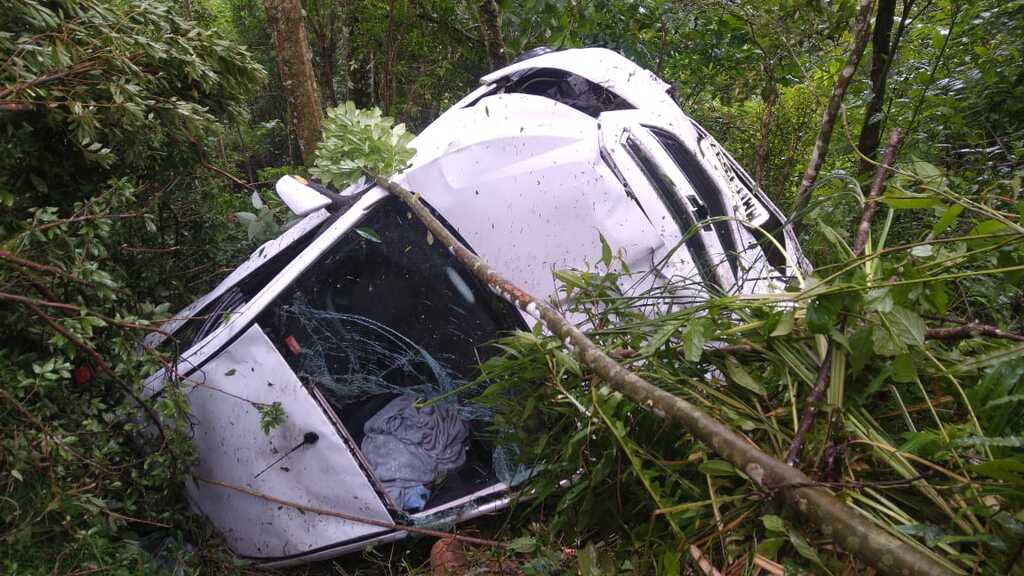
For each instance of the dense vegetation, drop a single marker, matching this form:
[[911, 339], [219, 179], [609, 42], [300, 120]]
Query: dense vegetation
[[140, 140]]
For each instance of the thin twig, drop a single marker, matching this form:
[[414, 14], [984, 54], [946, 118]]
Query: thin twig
[[353, 517], [702, 562], [25, 263], [876, 190], [201, 155], [46, 431], [811, 408]]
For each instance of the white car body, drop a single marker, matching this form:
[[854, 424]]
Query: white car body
[[529, 181]]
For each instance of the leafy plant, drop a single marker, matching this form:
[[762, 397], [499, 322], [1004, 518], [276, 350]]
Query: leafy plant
[[357, 142]]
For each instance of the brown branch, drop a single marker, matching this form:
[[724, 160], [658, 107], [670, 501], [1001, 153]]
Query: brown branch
[[861, 240], [206, 164], [811, 408], [98, 360], [52, 303], [15, 106], [352, 517], [35, 302], [24, 263], [46, 431], [861, 33], [74, 219], [143, 249], [819, 507], [971, 330]]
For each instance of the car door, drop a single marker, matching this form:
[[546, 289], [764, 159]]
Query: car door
[[238, 460]]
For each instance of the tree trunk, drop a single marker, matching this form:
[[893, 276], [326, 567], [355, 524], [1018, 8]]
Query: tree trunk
[[292, 49], [490, 32], [861, 29], [880, 58]]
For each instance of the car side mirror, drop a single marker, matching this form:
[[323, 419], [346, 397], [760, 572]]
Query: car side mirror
[[299, 196]]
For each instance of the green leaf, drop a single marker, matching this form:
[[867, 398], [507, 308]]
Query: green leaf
[[785, 325], [571, 279], [693, 340], [738, 374], [885, 343], [903, 369], [523, 544], [861, 348], [987, 227], [717, 468], [910, 201], [1005, 469], [805, 549], [606, 251], [38, 183], [823, 313], [256, 201], [907, 326], [769, 547], [245, 217], [660, 337], [949, 215], [773, 523], [368, 233]]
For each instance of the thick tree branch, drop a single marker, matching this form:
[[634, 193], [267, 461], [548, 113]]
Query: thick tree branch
[[857, 535], [861, 29]]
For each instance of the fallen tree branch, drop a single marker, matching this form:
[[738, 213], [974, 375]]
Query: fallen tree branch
[[856, 533], [352, 517], [861, 33]]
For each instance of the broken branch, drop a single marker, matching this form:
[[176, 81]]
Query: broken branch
[[970, 331], [102, 365], [858, 535], [877, 182]]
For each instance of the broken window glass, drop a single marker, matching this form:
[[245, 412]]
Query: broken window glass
[[388, 313]]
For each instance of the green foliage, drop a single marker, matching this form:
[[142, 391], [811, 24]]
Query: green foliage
[[358, 142], [903, 403], [113, 83], [78, 482], [271, 416]]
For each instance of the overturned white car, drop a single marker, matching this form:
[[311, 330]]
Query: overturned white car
[[354, 317]]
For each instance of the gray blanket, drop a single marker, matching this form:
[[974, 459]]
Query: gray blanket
[[407, 448]]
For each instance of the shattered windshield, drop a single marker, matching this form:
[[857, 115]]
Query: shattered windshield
[[388, 316], [387, 309]]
